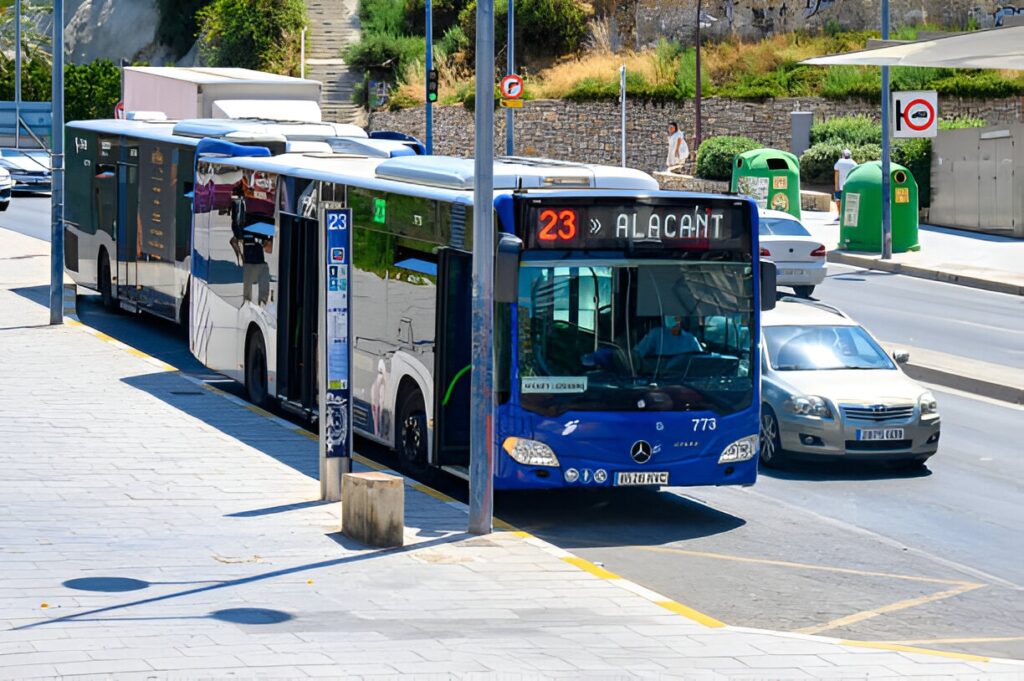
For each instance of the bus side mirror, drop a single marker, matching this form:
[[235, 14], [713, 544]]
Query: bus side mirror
[[768, 278], [506, 269]]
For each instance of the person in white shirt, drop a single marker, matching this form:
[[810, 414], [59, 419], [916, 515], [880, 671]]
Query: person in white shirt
[[678, 152], [842, 169], [669, 339]]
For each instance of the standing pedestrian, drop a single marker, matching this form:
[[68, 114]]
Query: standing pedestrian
[[678, 152], [842, 169]]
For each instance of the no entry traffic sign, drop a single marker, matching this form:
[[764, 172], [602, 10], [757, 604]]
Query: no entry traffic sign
[[915, 114], [511, 87]]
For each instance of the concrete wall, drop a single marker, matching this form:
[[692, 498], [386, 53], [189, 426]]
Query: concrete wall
[[590, 131]]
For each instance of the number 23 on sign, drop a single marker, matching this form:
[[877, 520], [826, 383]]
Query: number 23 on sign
[[557, 225]]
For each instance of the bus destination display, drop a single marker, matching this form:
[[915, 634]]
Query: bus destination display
[[690, 225]]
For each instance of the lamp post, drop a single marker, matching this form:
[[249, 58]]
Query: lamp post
[[886, 148], [697, 93], [57, 166]]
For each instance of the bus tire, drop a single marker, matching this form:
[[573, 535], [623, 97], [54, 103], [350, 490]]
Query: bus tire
[[256, 369], [411, 435], [105, 282], [184, 315]]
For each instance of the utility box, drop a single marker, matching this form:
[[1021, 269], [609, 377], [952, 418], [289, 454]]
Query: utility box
[[184, 93], [860, 220], [769, 176]]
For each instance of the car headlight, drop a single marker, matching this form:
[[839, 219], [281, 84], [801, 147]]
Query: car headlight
[[741, 450], [809, 405], [529, 452], [928, 404]]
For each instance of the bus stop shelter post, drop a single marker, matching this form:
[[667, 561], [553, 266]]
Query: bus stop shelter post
[[17, 74], [886, 147], [57, 164], [481, 456]]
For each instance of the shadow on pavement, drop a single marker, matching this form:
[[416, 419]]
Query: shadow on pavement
[[823, 471], [612, 517]]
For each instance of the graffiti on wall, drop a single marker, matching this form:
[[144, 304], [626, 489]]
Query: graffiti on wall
[[815, 6], [1003, 11]]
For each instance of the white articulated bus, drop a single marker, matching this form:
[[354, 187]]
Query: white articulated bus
[[128, 206], [595, 264]]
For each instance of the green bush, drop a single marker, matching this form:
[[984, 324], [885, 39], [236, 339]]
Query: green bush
[[178, 24], [385, 56], [445, 15], [91, 90], [841, 82], [851, 131], [817, 163], [383, 16], [454, 40], [716, 155], [550, 28], [979, 84], [255, 34], [35, 78]]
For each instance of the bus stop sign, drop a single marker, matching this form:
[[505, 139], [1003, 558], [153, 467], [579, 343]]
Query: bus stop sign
[[915, 114], [336, 408]]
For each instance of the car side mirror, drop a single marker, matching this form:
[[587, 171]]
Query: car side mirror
[[901, 356], [506, 269], [768, 284]]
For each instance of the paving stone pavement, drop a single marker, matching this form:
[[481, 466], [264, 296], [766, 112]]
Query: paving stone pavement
[[152, 529]]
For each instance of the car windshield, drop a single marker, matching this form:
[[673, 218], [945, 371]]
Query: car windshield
[[632, 336], [817, 348], [780, 227]]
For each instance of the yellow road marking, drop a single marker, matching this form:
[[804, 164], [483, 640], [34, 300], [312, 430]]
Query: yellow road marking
[[258, 410], [431, 492], [893, 607], [587, 566], [931, 641], [805, 566], [692, 614], [305, 433], [368, 463], [911, 649]]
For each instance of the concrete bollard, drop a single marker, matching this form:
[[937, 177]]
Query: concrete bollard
[[373, 508]]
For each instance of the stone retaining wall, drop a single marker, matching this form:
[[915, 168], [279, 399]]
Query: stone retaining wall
[[589, 131]]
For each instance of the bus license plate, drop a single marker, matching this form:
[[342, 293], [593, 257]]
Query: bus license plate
[[880, 434], [641, 478]]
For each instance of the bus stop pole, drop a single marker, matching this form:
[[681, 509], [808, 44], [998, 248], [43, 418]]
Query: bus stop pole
[[429, 64], [622, 105], [57, 164], [17, 74], [886, 148], [481, 453]]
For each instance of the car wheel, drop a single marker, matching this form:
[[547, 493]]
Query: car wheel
[[910, 464], [256, 370], [804, 291], [106, 283], [412, 433], [771, 444], [3, 206]]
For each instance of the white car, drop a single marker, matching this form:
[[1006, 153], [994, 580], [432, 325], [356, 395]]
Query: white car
[[799, 258], [5, 189]]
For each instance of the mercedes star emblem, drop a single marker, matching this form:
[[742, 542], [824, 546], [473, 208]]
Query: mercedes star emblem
[[640, 451]]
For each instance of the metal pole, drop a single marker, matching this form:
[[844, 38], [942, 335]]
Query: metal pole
[[886, 148], [697, 95], [429, 66], [17, 73], [57, 163], [302, 54], [510, 130], [481, 459], [622, 99]]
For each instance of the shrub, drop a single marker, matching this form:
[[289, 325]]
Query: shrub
[[851, 131], [254, 34], [91, 90], [716, 155], [817, 163], [851, 81], [178, 24], [454, 40], [384, 55], [543, 27], [445, 15], [383, 16]]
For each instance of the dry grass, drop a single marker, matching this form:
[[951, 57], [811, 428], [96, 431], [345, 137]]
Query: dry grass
[[559, 79]]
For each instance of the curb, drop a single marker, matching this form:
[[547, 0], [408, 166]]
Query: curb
[[968, 384], [871, 263], [569, 558]]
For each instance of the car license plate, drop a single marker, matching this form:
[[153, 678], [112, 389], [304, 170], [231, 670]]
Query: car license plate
[[880, 434], [641, 478], [790, 273]]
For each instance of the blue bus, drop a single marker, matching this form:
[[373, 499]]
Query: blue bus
[[626, 317]]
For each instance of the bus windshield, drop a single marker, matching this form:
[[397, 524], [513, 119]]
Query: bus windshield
[[635, 335]]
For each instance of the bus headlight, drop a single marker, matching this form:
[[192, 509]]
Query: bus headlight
[[741, 450], [529, 452]]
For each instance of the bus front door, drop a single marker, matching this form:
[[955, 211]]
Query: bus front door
[[128, 226], [452, 357], [298, 299]]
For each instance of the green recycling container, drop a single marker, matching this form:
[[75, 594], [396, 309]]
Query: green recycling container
[[860, 220], [771, 177]]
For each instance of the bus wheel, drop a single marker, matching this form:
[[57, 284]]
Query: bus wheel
[[256, 370], [412, 433], [771, 443], [105, 282]]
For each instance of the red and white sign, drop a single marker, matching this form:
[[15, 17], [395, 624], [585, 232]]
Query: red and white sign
[[511, 87], [915, 114], [119, 109]]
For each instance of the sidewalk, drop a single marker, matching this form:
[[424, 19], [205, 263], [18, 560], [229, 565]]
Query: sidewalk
[[971, 259], [154, 528]]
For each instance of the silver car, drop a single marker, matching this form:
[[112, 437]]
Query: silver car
[[830, 391], [29, 169], [5, 189], [798, 256]]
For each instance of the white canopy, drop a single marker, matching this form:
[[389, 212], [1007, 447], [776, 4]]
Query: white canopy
[[996, 48]]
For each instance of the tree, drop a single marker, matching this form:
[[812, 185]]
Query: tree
[[255, 34]]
